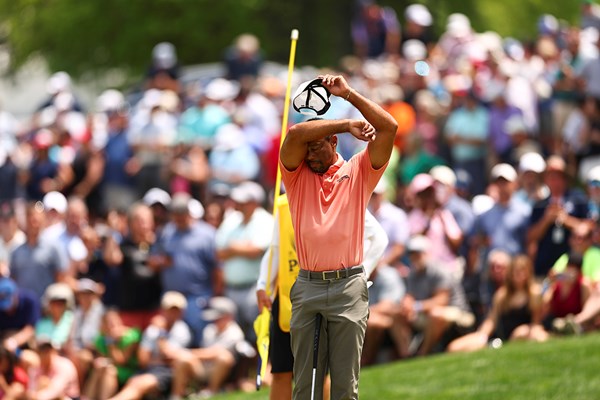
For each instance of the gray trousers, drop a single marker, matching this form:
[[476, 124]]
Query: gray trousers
[[344, 305]]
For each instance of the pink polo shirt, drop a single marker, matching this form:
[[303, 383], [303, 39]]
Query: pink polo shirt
[[328, 211]]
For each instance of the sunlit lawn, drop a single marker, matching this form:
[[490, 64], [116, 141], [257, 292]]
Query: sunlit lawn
[[563, 368]]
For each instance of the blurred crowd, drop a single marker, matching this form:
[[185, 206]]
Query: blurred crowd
[[132, 230]]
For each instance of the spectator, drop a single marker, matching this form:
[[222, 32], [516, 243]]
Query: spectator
[[428, 218], [219, 348], [375, 30], [163, 343], [19, 313], [580, 242], [117, 184], [242, 239], [505, 225], [36, 264], [57, 323], [13, 378], [494, 273], [500, 113], [55, 207], [567, 293], [69, 239], [418, 23], [553, 218], [591, 76], [163, 73], [55, 377], [593, 192], [434, 301], [11, 236], [186, 257], [232, 160], [86, 326], [158, 200], [516, 312], [117, 346], [139, 288], [244, 58], [467, 131], [532, 188], [44, 174], [199, 123]]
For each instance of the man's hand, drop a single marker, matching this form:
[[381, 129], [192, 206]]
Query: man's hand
[[336, 84], [263, 300], [362, 130]]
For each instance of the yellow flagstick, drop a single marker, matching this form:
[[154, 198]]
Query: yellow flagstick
[[262, 322]]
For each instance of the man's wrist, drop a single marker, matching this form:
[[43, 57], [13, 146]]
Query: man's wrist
[[347, 97]]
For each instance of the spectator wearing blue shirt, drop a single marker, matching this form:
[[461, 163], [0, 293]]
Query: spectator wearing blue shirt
[[118, 184], [186, 256], [37, 263]]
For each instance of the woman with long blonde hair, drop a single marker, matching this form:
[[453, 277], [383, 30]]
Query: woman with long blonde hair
[[516, 312]]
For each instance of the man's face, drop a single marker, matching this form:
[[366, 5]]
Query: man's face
[[321, 155]]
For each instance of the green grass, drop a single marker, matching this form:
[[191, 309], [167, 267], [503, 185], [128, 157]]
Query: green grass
[[562, 368]]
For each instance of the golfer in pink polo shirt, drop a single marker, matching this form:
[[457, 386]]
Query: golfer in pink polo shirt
[[328, 197]]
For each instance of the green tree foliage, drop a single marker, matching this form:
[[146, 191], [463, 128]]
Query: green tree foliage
[[95, 35]]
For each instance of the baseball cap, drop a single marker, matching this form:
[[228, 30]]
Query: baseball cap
[[458, 25], [8, 290], [196, 209], [419, 14], [59, 291], [505, 171], [218, 307], [593, 174], [55, 201], [229, 137], [311, 97], [532, 162], [156, 196], [87, 285], [44, 341], [164, 55], [248, 191], [420, 182], [482, 203], [173, 299], [443, 174], [221, 89], [418, 243], [413, 50]]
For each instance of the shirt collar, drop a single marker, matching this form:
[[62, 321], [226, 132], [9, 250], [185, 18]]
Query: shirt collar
[[335, 166]]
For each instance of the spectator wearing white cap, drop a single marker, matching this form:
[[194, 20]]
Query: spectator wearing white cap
[[58, 302], [504, 226], [37, 263], [244, 58], [417, 25], [159, 201], [430, 219], [185, 255], [242, 239], [532, 188], [593, 192], [163, 73]]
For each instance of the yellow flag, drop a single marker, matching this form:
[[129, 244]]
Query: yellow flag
[[261, 327]]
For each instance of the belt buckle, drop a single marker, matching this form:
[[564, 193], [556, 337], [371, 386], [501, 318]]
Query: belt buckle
[[337, 275]]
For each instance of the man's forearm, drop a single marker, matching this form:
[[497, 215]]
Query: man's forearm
[[311, 131], [381, 120]]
